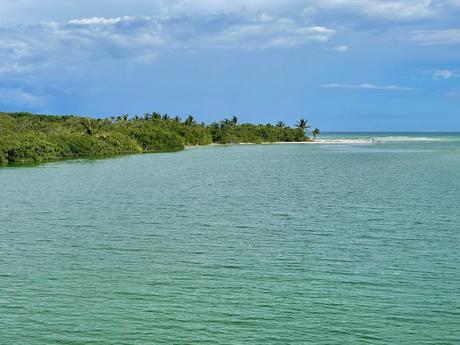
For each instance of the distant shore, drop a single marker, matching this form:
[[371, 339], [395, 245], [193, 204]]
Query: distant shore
[[309, 142], [27, 138]]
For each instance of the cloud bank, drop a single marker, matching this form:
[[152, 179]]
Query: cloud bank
[[51, 45], [144, 38]]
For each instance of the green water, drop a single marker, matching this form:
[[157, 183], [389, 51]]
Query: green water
[[344, 243]]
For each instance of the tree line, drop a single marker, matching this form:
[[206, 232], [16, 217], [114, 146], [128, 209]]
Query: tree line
[[31, 138]]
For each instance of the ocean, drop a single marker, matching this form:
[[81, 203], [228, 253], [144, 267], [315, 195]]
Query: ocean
[[352, 240]]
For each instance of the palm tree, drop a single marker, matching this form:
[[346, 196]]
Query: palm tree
[[190, 120], [234, 120], [156, 116], [315, 133], [226, 122], [303, 125], [166, 117], [123, 119], [280, 124]]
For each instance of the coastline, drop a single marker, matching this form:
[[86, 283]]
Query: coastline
[[356, 141], [246, 143], [310, 142], [186, 147], [102, 156], [27, 138]]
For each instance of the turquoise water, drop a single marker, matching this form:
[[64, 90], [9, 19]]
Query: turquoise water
[[343, 243]]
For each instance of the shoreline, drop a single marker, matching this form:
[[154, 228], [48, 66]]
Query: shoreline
[[186, 147], [26, 164], [102, 157], [317, 142], [236, 144]]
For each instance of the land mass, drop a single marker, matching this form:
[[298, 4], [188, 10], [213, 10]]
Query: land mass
[[33, 138]]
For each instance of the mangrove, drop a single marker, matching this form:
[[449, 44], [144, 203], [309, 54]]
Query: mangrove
[[34, 138]]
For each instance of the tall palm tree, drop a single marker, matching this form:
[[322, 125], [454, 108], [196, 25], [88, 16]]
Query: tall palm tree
[[303, 125]]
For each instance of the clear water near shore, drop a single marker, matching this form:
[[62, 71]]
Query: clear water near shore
[[344, 243]]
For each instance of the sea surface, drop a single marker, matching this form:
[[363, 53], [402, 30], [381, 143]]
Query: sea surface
[[354, 240]]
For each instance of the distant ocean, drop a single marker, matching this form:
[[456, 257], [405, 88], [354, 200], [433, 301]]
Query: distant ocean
[[351, 241], [386, 137]]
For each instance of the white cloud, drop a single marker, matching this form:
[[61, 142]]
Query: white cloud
[[443, 74], [99, 21], [224, 6], [392, 10], [66, 45], [33, 11], [72, 49], [144, 38], [260, 34], [14, 69], [389, 10], [366, 86], [436, 37]]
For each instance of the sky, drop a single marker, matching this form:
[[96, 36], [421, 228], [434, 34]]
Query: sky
[[347, 65]]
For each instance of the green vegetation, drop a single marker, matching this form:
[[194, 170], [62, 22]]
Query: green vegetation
[[29, 138], [303, 125], [315, 133]]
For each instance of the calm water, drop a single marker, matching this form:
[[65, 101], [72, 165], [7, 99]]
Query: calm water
[[344, 243]]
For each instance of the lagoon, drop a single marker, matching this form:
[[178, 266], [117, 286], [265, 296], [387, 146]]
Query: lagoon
[[349, 242]]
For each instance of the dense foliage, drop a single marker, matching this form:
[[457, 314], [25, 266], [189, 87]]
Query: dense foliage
[[29, 138]]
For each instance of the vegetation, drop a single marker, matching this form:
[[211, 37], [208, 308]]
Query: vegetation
[[303, 125], [29, 138], [315, 133]]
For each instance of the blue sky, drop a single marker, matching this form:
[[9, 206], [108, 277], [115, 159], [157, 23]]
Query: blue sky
[[342, 64]]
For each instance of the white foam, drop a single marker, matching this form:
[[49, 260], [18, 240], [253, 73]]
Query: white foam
[[343, 141], [377, 140], [406, 138]]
